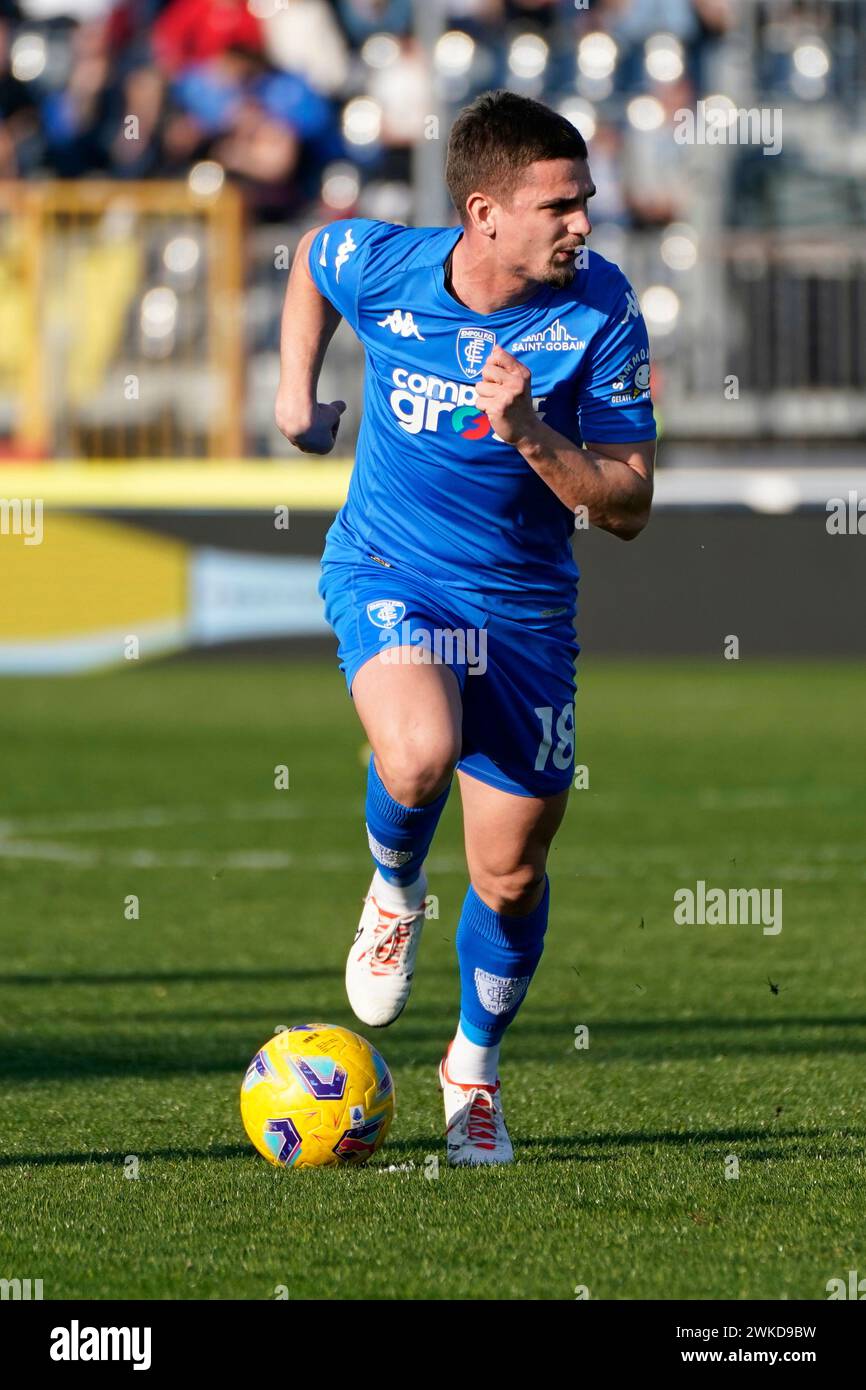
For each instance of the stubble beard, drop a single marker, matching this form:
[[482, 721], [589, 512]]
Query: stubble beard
[[560, 276]]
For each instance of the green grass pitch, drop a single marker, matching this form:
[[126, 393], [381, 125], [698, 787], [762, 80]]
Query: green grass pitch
[[124, 1037]]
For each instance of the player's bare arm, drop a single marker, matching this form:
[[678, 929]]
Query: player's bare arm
[[613, 481], [308, 324]]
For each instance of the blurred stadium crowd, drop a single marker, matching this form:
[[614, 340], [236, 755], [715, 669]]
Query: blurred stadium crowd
[[307, 102], [316, 109]]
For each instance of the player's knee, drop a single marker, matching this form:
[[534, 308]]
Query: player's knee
[[415, 776], [514, 892]]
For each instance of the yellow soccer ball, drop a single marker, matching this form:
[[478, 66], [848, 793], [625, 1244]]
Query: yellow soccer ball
[[315, 1096]]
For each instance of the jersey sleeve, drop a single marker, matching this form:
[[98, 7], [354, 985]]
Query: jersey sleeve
[[613, 397], [338, 260]]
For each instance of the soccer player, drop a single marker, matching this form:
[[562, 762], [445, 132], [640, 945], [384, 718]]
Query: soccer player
[[506, 396]]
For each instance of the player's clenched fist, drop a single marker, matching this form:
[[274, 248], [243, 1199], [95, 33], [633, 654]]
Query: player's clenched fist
[[505, 395], [314, 433]]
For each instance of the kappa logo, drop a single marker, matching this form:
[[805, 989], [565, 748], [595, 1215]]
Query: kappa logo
[[473, 346], [401, 322], [344, 251], [497, 993], [386, 612], [632, 307], [554, 338]]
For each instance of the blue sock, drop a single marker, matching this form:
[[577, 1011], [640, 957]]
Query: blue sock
[[399, 836], [498, 956]]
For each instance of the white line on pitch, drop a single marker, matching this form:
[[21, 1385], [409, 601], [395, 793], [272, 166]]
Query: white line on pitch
[[247, 859], [142, 817]]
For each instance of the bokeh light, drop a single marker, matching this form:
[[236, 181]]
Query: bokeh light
[[679, 247], [362, 121], [28, 57], [596, 55], [581, 114], [645, 113], [454, 53], [206, 178], [159, 312], [527, 56], [663, 57], [661, 308], [341, 185]]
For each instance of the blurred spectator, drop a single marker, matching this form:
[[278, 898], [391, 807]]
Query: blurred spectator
[[138, 153], [129, 32], [190, 31], [402, 90], [264, 155], [303, 36], [540, 13], [714, 19], [19, 121], [480, 18], [75, 119], [633, 23], [605, 156], [269, 128], [655, 167], [361, 18], [143, 88]]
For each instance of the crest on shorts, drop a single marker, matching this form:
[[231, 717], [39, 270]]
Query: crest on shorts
[[473, 347], [386, 612]]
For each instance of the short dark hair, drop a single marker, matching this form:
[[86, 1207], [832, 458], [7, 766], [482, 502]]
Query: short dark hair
[[494, 139]]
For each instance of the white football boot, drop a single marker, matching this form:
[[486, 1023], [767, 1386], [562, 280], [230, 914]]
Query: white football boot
[[476, 1132], [381, 962]]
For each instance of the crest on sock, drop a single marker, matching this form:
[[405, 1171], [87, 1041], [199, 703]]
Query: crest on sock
[[498, 994], [391, 858]]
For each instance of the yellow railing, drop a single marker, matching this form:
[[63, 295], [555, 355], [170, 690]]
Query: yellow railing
[[121, 320]]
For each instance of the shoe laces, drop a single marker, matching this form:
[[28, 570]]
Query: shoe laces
[[479, 1117], [392, 935]]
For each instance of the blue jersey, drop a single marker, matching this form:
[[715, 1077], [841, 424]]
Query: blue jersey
[[435, 491]]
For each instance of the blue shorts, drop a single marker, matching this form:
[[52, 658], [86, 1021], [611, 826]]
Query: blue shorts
[[516, 677]]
